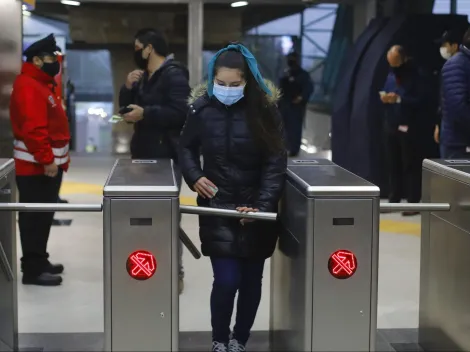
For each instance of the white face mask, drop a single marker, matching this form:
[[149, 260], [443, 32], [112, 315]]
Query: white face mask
[[445, 53]]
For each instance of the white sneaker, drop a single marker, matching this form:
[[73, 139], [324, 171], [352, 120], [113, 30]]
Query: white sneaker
[[218, 347], [235, 346]]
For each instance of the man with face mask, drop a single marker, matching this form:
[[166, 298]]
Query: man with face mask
[[455, 104], [157, 92], [404, 97], [297, 87], [41, 147], [449, 46]]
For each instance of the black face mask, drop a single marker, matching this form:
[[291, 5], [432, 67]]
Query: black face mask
[[51, 68], [139, 60]]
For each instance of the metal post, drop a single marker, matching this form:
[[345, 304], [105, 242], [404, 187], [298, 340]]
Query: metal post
[[195, 40], [453, 7]]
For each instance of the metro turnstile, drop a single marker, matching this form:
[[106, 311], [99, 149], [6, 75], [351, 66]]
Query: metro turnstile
[[324, 271], [8, 276], [444, 309]]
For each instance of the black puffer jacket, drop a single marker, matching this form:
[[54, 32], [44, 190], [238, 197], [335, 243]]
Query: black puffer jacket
[[240, 170], [163, 98]]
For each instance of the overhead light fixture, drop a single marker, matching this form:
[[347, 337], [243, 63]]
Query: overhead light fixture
[[70, 2], [239, 3]]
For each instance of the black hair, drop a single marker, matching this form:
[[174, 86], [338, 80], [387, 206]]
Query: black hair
[[293, 55], [261, 116], [154, 37], [466, 39]]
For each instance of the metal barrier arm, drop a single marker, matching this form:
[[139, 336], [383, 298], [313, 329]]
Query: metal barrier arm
[[189, 209], [5, 264], [418, 207], [48, 207], [189, 244]]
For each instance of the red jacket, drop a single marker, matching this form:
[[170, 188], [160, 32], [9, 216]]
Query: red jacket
[[39, 123]]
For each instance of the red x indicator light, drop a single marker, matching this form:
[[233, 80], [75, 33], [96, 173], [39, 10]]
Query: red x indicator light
[[342, 264], [141, 265]]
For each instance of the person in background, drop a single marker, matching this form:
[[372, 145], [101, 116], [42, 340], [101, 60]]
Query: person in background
[[455, 125], [41, 146], [403, 97], [157, 92], [297, 87], [234, 121], [449, 46]]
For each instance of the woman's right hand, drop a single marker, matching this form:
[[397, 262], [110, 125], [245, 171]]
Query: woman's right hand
[[203, 188]]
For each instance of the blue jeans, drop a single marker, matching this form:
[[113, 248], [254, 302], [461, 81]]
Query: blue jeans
[[232, 275]]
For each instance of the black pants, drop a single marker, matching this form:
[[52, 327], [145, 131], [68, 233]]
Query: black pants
[[35, 226], [404, 154], [293, 116]]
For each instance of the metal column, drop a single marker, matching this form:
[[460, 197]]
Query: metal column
[[8, 270], [195, 40], [325, 269], [445, 264], [141, 222]]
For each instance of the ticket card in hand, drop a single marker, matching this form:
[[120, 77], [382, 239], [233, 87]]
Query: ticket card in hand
[[115, 119]]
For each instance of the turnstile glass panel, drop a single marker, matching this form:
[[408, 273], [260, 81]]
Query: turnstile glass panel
[[141, 224]]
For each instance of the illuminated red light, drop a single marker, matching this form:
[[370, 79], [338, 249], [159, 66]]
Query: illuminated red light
[[141, 265], [342, 264]]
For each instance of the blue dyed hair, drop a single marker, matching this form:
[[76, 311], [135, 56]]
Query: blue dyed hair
[[250, 61]]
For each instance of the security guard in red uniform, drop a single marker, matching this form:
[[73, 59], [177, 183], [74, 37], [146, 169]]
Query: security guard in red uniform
[[41, 147]]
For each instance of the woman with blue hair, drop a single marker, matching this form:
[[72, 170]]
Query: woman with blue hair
[[233, 120]]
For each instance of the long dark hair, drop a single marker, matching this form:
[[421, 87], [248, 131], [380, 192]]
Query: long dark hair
[[261, 115]]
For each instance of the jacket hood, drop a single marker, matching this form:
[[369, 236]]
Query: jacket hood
[[201, 90]]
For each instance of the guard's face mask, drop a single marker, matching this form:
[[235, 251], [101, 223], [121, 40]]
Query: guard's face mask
[[139, 59], [51, 68], [228, 95]]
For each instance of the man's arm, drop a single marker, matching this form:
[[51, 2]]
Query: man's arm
[[455, 92], [33, 110], [172, 114]]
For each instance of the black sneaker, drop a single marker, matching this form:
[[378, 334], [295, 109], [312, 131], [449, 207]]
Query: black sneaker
[[45, 279], [219, 347], [54, 269], [64, 201]]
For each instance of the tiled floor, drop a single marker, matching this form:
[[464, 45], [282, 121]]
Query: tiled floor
[[70, 317]]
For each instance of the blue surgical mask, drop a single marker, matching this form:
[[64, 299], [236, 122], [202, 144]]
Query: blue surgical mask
[[228, 95]]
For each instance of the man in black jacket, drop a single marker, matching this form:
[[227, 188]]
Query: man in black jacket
[[157, 93]]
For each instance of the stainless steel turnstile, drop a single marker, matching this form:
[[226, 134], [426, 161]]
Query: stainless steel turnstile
[[444, 309], [141, 257], [8, 276], [324, 271]]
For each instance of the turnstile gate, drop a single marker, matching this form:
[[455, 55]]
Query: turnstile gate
[[8, 282], [444, 310], [324, 271]]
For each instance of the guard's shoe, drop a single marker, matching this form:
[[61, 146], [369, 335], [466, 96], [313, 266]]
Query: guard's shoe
[[219, 347], [54, 269], [64, 201], [45, 279], [410, 213], [235, 346]]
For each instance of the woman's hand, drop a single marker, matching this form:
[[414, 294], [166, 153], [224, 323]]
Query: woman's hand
[[246, 210], [205, 188]]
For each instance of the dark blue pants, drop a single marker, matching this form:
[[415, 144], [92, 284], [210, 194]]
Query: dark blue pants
[[454, 152], [230, 276], [293, 116]]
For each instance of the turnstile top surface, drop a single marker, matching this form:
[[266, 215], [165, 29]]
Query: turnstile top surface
[[6, 165], [458, 169], [147, 178], [309, 162], [329, 180]]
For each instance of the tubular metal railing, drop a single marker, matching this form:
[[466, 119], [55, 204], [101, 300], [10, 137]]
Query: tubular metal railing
[[416, 207], [195, 210]]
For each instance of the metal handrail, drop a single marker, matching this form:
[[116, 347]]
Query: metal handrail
[[49, 207], [418, 207], [190, 209], [6, 265]]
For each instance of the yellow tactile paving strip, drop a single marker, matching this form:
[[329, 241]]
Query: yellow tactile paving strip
[[391, 226]]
